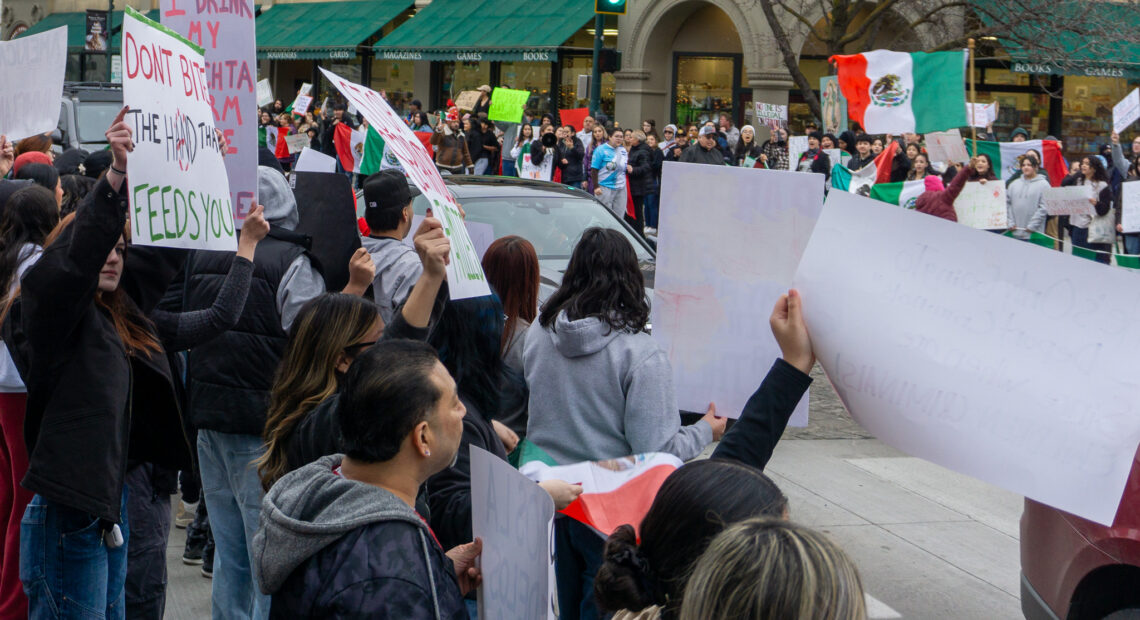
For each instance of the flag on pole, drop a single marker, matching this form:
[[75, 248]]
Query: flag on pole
[[903, 194], [367, 151], [342, 140], [1003, 156], [897, 92]]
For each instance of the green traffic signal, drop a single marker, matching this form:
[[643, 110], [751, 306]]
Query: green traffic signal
[[610, 7]]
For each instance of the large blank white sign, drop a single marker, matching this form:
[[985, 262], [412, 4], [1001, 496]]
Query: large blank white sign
[[729, 244], [987, 355]]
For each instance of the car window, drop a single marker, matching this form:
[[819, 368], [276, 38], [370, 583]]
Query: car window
[[553, 224], [94, 117]]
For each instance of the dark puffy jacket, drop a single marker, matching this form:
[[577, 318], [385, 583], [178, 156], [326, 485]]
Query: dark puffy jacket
[[91, 404], [641, 179], [697, 154], [573, 172], [231, 375]]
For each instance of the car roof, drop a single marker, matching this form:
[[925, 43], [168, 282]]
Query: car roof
[[94, 91], [464, 186]]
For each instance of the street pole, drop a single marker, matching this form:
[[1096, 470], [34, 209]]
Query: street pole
[[596, 76], [973, 99], [110, 28]]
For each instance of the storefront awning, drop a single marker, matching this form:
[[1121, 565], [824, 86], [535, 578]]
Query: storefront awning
[[310, 30], [76, 23], [477, 30], [1110, 56]]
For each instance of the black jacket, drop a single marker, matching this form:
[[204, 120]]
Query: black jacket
[[697, 154], [641, 179], [754, 436], [328, 132], [820, 162], [572, 171], [858, 163], [91, 403], [475, 145], [658, 159]]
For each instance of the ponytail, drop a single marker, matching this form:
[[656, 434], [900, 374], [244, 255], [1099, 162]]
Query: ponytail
[[625, 579]]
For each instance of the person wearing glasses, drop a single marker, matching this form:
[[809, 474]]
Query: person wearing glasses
[[668, 138]]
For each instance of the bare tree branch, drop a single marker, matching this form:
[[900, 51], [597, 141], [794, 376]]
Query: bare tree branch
[[790, 60], [878, 13]]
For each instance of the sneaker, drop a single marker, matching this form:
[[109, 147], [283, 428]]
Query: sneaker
[[192, 556], [208, 561], [207, 571], [185, 515]]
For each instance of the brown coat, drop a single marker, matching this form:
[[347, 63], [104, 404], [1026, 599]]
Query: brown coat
[[452, 150]]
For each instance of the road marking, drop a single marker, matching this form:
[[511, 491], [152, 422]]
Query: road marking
[[877, 609]]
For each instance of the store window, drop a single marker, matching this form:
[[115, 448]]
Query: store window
[[394, 77], [705, 86], [1087, 112], [457, 77], [574, 66], [1029, 111], [532, 76]]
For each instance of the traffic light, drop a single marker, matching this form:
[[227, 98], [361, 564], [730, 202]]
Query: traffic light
[[610, 7]]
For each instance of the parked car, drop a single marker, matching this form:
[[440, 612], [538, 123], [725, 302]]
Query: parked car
[[551, 216], [1075, 569], [85, 112]]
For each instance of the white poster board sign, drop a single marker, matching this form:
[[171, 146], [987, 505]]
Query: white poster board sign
[[264, 93], [482, 234], [711, 288], [797, 145], [231, 68], [515, 519], [31, 70], [297, 142], [179, 193], [933, 343], [1130, 203], [311, 160], [943, 146], [981, 114], [982, 206], [301, 104], [465, 276], [306, 89], [1072, 200], [1126, 112]]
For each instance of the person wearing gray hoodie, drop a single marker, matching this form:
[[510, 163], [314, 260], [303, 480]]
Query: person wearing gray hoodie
[[1025, 202], [388, 213], [340, 536]]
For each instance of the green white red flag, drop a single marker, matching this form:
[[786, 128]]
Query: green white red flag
[[897, 92]]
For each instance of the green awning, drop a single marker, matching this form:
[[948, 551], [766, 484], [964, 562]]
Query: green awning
[[476, 30], [322, 29], [1112, 55], [76, 23]]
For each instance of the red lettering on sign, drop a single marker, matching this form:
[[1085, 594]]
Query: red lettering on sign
[[174, 10], [195, 31], [213, 28]]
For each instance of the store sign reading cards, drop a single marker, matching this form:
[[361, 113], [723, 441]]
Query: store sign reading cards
[[464, 273], [179, 193]]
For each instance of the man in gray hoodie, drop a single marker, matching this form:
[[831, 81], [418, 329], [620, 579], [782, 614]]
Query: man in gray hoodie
[[340, 537], [388, 213]]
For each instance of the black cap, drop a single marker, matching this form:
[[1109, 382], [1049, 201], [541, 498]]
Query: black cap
[[96, 163], [388, 189]]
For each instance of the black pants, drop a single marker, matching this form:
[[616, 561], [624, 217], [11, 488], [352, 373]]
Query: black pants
[[148, 507], [638, 221]]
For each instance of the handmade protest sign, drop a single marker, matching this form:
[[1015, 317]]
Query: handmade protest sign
[[797, 145], [947, 146], [1130, 206], [31, 70], [264, 93], [710, 286], [306, 88], [933, 343], [179, 193], [1126, 112], [982, 206], [771, 115], [981, 114], [326, 206], [507, 105], [482, 234], [297, 142], [1072, 200], [515, 519], [301, 104], [311, 160], [464, 273], [467, 99], [231, 68]]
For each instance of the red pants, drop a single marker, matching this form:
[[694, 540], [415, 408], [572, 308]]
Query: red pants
[[13, 500]]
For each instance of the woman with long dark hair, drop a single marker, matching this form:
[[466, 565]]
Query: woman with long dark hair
[[1094, 232], [982, 170], [45, 176], [75, 189], [746, 147]]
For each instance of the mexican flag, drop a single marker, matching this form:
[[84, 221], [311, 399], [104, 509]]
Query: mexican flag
[[878, 171], [902, 194], [1003, 156], [897, 92], [367, 151]]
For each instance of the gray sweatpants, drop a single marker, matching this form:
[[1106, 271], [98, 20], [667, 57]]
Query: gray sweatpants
[[614, 199]]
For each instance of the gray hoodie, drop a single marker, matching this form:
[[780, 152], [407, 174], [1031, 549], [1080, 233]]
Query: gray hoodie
[[1025, 205], [397, 269], [301, 282], [599, 394]]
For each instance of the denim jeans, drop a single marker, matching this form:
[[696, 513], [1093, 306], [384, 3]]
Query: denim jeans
[[67, 569], [652, 204], [1080, 238], [1132, 243], [481, 165], [233, 493], [577, 558]]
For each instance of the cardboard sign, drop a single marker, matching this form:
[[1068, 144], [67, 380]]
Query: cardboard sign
[[179, 193], [943, 146], [311, 160], [301, 104], [934, 344], [507, 105], [264, 93], [982, 206], [467, 99], [465, 276], [1126, 112], [31, 70], [1130, 206], [710, 286], [1072, 200], [981, 114], [327, 208], [231, 68], [297, 142], [515, 519]]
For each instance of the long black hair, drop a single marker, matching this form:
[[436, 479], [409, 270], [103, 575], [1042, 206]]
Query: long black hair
[[603, 280], [1099, 173], [29, 216], [467, 339], [42, 174], [75, 189]]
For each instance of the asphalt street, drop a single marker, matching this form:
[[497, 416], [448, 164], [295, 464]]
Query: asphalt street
[[929, 543]]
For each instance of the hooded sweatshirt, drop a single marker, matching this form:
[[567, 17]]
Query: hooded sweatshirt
[[328, 547], [302, 281], [1025, 205], [397, 269], [597, 394]]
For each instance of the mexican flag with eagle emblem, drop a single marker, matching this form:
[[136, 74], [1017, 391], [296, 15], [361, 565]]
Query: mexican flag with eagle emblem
[[898, 92]]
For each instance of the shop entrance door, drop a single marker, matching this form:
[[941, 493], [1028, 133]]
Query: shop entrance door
[[704, 85]]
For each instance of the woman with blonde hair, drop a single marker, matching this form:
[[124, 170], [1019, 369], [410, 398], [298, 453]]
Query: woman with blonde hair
[[770, 568]]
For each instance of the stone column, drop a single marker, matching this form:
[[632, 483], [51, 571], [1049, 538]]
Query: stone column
[[637, 97]]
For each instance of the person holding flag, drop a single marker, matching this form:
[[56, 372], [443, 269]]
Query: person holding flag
[[451, 155]]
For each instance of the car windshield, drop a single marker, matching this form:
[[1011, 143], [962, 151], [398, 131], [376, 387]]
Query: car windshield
[[553, 223], [94, 117]]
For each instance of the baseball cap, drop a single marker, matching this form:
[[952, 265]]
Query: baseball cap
[[388, 189], [706, 130]]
